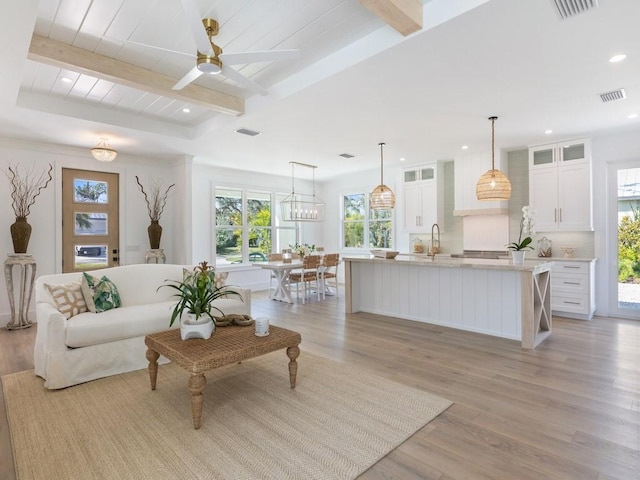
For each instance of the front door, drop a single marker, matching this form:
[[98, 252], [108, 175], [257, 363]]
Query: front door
[[89, 220]]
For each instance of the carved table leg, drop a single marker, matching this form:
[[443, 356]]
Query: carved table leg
[[153, 356], [292, 353], [196, 386]]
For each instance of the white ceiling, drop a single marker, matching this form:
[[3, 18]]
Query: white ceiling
[[357, 82]]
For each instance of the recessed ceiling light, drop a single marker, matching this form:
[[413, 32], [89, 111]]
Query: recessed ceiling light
[[548, 132], [186, 110], [633, 115], [617, 58], [402, 159], [464, 147], [65, 80], [346, 155]]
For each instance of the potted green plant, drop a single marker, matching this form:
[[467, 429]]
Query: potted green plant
[[195, 294]]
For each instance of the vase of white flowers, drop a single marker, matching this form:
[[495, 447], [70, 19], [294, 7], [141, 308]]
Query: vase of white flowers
[[303, 249], [519, 248]]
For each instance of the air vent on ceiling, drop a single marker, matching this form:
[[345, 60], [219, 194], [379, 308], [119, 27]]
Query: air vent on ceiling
[[570, 8], [346, 155], [246, 131], [618, 94]]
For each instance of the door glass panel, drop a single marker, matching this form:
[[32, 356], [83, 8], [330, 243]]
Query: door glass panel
[[90, 257], [410, 176], [427, 173], [91, 223], [629, 239], [543, 157], [90, 191], [573, 152]]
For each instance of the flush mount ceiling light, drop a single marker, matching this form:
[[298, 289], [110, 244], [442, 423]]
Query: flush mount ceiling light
[[382, 197], [103, 152], [493, 185], [302, 207]]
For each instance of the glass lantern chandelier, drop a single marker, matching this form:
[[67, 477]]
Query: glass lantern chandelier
[[302, 207]]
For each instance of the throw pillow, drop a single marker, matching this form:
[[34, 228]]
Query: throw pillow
[[220, 279], [68, 298], [100, 294]]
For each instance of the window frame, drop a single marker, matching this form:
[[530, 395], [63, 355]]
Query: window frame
[[275, 228], [367, 221]]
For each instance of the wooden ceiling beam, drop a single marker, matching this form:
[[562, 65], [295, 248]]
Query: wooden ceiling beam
[[403, 15], [62, 55]]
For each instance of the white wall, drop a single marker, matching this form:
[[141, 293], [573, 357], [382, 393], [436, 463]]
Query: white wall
[[46, 213]]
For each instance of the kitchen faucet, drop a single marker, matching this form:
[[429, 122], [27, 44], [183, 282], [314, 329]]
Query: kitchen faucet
[[435, 249]]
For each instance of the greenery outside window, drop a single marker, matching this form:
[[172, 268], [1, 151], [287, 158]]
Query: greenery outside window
[[363, 227], [245, 224]]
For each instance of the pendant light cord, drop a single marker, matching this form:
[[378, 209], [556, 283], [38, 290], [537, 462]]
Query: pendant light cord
[[382, 144], [493, 121]]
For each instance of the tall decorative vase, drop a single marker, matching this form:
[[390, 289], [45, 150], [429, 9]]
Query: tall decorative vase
[[155, 232], [20, 234], [518, 256]]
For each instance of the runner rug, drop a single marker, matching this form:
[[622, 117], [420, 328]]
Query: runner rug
[[336, 423]]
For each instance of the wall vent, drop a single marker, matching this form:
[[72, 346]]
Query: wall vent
[[246, 131], [346, 155], [618, 94], [570, 8]]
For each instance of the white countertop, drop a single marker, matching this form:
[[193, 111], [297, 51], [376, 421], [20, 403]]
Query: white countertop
[[536, 264]]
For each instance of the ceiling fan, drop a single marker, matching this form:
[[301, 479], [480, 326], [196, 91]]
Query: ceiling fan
[[210, 58]]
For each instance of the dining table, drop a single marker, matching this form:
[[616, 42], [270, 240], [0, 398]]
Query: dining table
[[281, 271]]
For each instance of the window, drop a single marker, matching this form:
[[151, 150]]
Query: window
[[245, 226], [363, 227]]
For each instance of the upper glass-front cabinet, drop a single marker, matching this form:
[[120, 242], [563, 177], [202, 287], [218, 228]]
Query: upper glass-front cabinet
[[420, 174], [555, 153]]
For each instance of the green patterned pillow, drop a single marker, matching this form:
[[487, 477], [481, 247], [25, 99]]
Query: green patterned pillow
[[100, 294]]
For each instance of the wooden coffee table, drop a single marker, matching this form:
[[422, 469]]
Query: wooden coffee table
[[227, 345]]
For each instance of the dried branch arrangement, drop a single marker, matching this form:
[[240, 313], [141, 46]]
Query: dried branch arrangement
[[26, 185], [156, 198]]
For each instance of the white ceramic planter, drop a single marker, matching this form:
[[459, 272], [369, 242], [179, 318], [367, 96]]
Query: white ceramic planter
[[192, 328], [518, 256]]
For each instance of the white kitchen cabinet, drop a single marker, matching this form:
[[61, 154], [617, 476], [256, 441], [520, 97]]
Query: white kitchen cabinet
[[468, 168], [573, 289], [422, 198], [560, 186]]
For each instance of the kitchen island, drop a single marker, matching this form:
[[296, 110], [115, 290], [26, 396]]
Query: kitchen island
[[493, 297]]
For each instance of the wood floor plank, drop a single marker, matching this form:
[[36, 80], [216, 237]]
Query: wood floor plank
[[569, 409]]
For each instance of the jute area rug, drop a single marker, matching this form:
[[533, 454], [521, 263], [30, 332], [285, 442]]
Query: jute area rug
[[337, 422]]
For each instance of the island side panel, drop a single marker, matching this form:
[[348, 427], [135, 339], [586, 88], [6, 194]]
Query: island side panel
[[474, 299]]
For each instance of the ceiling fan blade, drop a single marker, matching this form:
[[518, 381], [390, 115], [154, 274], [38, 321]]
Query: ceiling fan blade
[[146, 45], [255, 57], [187, 79], [242, 80], [197, 28]]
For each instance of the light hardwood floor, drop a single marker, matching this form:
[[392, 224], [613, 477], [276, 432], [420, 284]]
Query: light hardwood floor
[[568, 410]]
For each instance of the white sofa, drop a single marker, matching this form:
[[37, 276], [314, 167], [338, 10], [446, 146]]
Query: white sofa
[[94, 345]]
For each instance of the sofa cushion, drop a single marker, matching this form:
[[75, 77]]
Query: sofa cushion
[[68, 298], [118, 324], [100, 294]]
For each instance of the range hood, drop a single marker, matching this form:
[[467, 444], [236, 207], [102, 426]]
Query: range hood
[[481, 211]]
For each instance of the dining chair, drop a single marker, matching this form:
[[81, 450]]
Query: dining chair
[[307, 275], [329, 271], [273, 257]]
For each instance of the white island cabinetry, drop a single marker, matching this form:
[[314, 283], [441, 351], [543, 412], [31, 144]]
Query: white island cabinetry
[[493, 297]]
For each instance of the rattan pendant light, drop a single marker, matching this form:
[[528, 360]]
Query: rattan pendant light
[[382, 197], [493, 185]]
